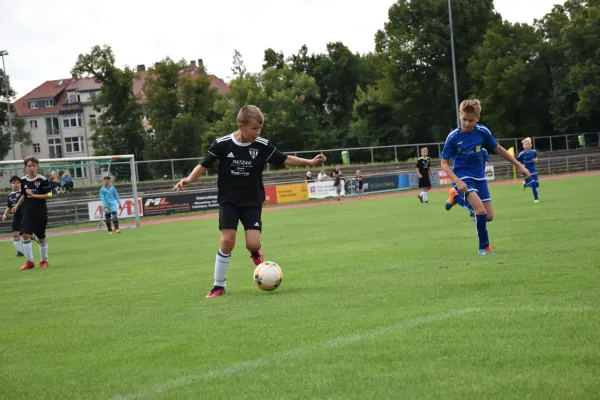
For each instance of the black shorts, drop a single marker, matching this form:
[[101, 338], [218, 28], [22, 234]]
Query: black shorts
[[34, 224], [425, 182], [230, 215], [17, 222]]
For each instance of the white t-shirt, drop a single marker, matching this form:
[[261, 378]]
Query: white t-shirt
[[322, 176]]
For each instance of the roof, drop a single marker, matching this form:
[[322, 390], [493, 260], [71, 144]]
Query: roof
[[47, 90], [52, 89], [84, 85], [215, 82]]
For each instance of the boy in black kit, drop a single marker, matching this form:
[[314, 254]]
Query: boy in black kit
[[424, 173], [13, 199]]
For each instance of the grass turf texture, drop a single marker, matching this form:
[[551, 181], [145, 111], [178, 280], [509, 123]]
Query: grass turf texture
[[381, 298]]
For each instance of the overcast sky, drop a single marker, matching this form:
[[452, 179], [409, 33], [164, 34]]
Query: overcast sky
[[44, 37]]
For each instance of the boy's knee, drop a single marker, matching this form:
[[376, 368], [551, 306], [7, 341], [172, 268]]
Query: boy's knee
[[227, 242], [490, 217]]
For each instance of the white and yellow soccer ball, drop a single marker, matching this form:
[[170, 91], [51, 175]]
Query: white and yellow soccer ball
[[268, 276]]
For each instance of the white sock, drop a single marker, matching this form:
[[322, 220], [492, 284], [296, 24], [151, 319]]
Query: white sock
[[44, 251], [28, 250], [17, 243], [425, 196], [221, 266]]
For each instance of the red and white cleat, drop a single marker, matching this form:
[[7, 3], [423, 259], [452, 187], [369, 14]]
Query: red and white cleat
[[27, 265]]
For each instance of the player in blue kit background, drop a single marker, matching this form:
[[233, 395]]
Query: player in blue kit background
[[464, 145], [528, 157]]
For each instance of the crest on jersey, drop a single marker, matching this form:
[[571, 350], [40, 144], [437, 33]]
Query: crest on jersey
[[37, 183], [253, 153]]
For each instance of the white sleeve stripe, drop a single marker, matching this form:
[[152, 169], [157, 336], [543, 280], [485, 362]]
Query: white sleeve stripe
[[270, 155], [213, 154]]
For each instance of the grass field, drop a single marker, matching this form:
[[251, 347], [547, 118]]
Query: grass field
[[382, 298]]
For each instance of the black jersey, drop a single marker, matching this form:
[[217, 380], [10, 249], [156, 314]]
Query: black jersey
[[240, 169], [359, 179], [424, 163], [38, 185], [13, 199]]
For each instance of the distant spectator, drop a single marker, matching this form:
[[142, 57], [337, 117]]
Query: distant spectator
[[67, 182], [337, 183], [322, 176], [54, 183], [308, 177]]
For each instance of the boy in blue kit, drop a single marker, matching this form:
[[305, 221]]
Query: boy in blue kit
[[464, 145], [111, 204], [528, 157]]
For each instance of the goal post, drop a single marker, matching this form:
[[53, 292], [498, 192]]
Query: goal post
[[80, 205]]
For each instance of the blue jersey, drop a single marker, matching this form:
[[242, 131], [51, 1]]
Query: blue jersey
[[485, 155], [526, 158], [466, 150], [110, 198]]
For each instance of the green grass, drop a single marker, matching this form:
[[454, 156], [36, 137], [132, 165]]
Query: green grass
[[377, 302]]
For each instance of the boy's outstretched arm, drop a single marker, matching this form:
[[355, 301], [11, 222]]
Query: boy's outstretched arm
[[511, 159], [195, 174]]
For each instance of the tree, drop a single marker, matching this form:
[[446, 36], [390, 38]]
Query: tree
[[571, 39], [118, 129], [280, 93], [273, 59], [180, 107], [511, 79], [238, 68], [414, 47], [21, 135]]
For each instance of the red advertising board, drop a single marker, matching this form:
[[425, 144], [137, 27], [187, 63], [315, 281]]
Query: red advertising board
[[271, 195]]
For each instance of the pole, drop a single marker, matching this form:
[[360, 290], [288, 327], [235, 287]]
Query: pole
[[10, 127], [453, 60], [136, 209]]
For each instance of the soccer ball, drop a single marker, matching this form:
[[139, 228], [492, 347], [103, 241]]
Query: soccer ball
[[268, 276]]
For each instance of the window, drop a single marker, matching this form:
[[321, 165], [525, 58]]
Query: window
[[33, 105], [74, 98], [94, 94], [74, 144], [55, 148], [72, 120], [33, 124], [78, 170], [49, 103], [98, 170], [52, 126], [37, 148], [92, 116]]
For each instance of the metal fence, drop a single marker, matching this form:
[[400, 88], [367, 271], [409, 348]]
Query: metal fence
[[74, 211], [179, 168]]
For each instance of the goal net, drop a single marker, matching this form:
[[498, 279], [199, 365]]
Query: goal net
[[76, 204]]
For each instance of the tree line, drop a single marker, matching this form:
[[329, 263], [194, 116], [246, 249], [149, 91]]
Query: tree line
[[536, 79]]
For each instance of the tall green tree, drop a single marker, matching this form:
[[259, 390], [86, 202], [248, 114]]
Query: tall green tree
[[273, 59], [280, 93], [415, 46], [510, 77], [181, 109], [20, 133], [118, 129]]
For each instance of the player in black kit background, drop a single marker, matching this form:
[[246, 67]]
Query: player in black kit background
[[242, 156], [13, 199]]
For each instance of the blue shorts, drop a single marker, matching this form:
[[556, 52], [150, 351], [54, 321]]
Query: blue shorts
[[473, 185], [532, 181]]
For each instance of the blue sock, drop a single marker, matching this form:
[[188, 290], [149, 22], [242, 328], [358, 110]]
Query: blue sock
[[535, 192], [482, 232], [462, 201]]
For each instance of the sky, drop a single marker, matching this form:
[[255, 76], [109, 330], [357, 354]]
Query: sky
[[44, 37]]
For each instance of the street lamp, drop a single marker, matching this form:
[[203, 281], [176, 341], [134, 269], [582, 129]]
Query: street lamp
[[10, 127], [453, 60]]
